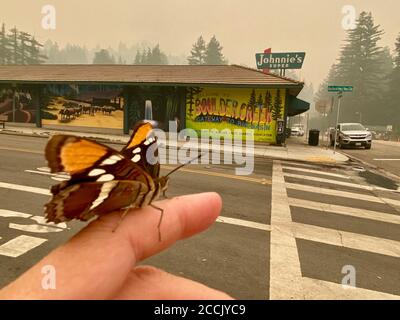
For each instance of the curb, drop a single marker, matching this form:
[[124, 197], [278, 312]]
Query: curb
[[370, 165], [103, 140]]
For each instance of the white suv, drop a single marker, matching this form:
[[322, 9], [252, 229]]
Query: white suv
[[351, 135]]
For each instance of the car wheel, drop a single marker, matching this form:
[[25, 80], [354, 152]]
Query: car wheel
[[368, 147]]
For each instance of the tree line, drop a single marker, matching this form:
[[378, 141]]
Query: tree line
[[19, 47], [372, 70]]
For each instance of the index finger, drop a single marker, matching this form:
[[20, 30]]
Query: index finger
[[95, 263]]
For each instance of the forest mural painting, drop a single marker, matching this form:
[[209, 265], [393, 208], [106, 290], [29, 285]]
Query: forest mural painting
[[234, 108]]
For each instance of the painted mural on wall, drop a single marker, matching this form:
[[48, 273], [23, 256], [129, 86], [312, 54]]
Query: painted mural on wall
[[236, 108], [86, 106], [17, 106]]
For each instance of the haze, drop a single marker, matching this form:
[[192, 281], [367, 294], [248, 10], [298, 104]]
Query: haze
[[242, 27]]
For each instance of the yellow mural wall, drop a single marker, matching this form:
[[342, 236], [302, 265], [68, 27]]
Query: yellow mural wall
[[236, 108]]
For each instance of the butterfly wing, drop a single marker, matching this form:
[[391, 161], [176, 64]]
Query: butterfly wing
[[138, 146], [101, 179], [83, 201]]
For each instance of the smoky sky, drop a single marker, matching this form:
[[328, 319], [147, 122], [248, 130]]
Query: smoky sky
[[243, 27]]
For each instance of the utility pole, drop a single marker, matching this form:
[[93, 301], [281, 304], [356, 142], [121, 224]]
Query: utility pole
[[340, 94]]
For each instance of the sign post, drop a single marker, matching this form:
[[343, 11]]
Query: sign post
[[339, 90]]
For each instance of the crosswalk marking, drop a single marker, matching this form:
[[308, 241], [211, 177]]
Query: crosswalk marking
[[315, 289], [25, 188], [349, 211], [7, 213], [285, 270], [20, 245], [282, 227], [346, 239], [244, 223], [340, 183], [323, 173], [333, 192]]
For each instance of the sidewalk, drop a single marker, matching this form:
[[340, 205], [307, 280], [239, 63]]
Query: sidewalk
[[295, 149]]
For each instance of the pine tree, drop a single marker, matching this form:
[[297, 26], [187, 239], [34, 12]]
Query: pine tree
[[252, 100], [277, 106], [157, 57], [214, 54], [14, 48], [103, 57], [267, 101], [198, 52], [393, 94], [138, 58], [4, 46], [359, 66]]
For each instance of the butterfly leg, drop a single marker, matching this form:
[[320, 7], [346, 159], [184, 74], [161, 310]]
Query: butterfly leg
[[124, 213], [164, 194], [161, 217]]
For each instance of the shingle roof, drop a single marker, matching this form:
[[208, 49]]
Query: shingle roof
[[229, 75]]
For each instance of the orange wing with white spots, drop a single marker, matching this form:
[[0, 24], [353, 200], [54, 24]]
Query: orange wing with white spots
[[101, 179]]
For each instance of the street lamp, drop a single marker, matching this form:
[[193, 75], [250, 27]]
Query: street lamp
[[360, 114]]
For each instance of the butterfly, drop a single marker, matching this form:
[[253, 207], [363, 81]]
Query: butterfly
[[102, 179]]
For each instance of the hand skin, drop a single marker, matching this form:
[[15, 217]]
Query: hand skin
[[99, 264]]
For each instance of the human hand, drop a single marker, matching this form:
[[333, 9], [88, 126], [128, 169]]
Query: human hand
[[99, 264]]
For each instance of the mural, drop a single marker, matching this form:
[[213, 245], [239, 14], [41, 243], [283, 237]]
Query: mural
[[234, 108], [18, 106], [87, 106]]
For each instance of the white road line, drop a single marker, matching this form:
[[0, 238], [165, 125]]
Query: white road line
[[340, 183], [24, 188], [238, 222], [336, 175], [13, 214], [347, 239], [35, 228], [285, 270], [392, 201], [244, 223], [20, 245], [386, 159], [57, 177], [297, 165], [333, 192], [323, 290], [348, 211]]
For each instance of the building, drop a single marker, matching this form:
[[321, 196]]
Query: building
[[113, 96]]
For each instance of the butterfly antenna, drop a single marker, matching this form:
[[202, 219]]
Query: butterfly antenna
[[185, 164]]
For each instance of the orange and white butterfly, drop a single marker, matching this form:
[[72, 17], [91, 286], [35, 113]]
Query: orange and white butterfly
[[102, 179]]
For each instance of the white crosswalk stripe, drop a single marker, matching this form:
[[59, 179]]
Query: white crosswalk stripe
[[299, 287]]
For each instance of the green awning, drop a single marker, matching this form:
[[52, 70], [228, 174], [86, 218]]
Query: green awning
[[297, 106]]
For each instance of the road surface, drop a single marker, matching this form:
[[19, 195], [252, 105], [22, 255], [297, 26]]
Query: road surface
[[384, 154], [289, 231]]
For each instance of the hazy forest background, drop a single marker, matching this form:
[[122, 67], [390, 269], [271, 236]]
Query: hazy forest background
[[374, 71]]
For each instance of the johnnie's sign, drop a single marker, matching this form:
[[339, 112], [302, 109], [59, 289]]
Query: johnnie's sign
[[288, 60]]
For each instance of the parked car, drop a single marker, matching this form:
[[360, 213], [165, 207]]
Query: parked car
[[351, 135], [297, 131]]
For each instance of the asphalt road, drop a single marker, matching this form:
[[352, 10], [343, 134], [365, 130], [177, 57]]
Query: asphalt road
[[384, 155], [290, 230]]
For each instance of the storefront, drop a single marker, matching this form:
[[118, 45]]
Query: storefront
[[113, 96]]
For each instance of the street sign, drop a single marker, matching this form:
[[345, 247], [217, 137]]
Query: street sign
[[340, 88], [288, 60]]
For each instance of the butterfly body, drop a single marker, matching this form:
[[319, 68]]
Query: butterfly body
[[102, 179]]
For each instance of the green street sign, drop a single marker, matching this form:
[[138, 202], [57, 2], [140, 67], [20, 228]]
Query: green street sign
[[340, 88], [288, 60]]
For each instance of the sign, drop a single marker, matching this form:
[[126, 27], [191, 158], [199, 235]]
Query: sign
[[288, 60], [236, 108], [340, 88]]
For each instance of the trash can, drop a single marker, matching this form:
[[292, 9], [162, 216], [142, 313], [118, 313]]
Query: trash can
[[313, 137]]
